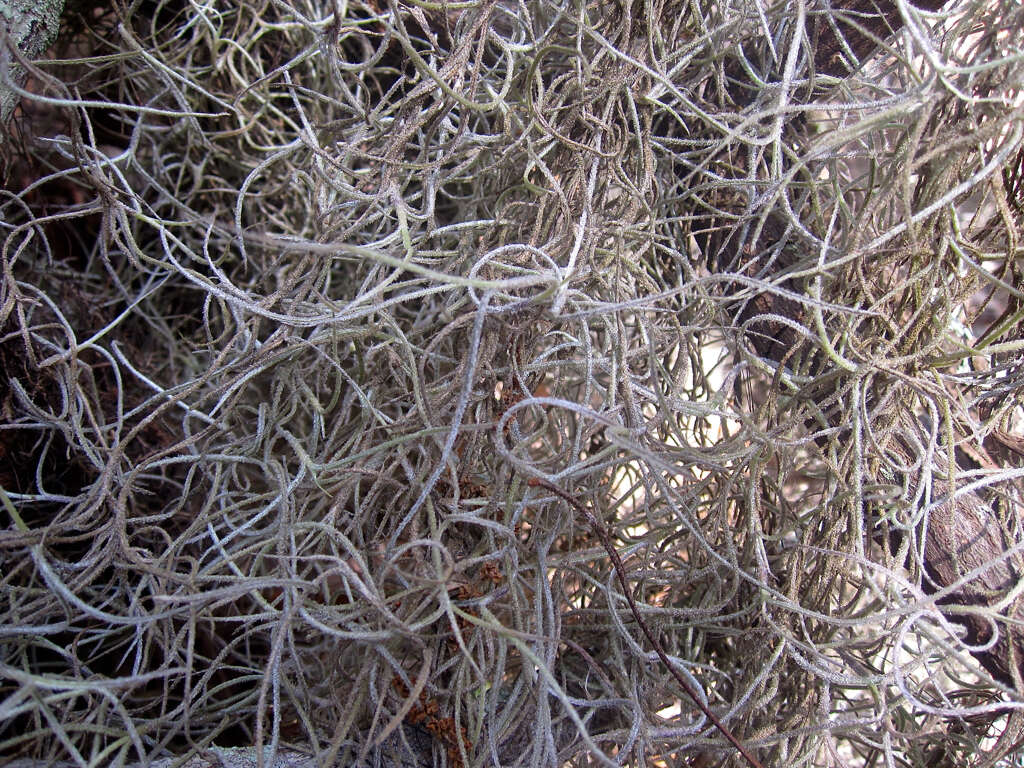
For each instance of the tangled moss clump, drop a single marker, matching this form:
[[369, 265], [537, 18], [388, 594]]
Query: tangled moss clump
[[298, 297]]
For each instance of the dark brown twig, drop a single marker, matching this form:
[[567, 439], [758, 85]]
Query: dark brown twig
[[620, 572]]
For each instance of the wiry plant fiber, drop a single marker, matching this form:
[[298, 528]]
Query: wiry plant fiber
[[298, 297]]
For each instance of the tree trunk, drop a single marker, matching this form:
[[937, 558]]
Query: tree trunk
[[30, 26]]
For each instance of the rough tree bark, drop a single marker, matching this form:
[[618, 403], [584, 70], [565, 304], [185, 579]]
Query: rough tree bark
[[30, 27]]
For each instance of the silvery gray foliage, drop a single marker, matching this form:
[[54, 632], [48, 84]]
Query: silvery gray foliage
[[297, 298]]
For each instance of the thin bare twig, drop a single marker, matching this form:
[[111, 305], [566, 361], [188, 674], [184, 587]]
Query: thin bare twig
[[620, 572]]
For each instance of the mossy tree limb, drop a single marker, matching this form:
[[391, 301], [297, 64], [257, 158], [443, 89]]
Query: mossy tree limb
[[30, 27]]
